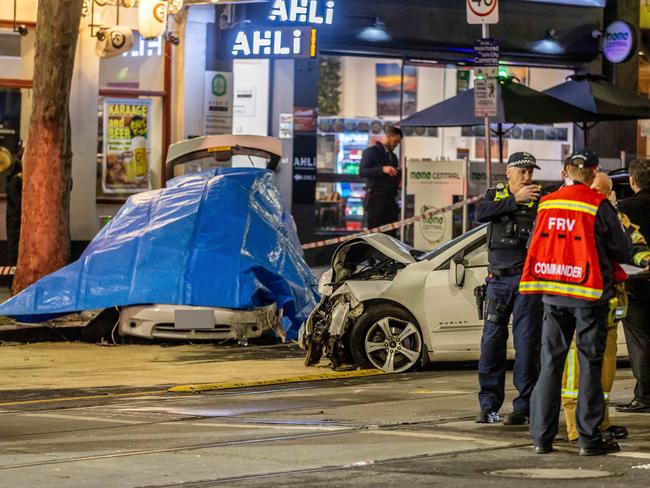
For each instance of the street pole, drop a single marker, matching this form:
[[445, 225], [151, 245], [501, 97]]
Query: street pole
[[402, 231], [488, 141], [465, 194]]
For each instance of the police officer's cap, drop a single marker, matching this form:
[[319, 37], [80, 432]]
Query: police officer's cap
[[522, 160], [585, 158]]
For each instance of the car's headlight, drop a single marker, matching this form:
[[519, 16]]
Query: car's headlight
[[324, 286]]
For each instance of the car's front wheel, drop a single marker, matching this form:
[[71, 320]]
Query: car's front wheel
[[386, 337]]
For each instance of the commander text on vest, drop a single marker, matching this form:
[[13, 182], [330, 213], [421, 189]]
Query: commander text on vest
[[510, 210], [578, 237]]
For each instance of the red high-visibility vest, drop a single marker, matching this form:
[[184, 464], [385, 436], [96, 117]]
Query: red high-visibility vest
[[563, 258]]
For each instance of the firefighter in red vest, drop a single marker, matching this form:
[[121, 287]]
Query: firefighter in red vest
[[617, 311], [577, 237]]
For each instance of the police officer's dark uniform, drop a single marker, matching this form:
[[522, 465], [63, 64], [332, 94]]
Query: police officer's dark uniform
[[511, 224], [577, 238], [380, 202]]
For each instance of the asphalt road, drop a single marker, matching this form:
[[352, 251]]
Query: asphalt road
[[400, 430]]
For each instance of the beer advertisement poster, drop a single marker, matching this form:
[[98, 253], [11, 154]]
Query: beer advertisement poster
[[126, 167]]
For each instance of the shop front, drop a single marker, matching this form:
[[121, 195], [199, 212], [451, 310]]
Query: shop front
[[326, 78], [379, 62]]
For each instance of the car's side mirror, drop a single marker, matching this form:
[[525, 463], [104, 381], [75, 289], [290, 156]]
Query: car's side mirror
[[457, 270]]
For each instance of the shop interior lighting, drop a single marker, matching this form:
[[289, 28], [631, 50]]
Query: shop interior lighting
[[375, 33], [549, 45]]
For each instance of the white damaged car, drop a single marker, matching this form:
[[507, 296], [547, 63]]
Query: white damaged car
[[388, 306]]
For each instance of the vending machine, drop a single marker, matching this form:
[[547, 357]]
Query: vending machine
[[350, 146]]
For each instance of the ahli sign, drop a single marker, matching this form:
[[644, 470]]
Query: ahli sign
[[312, 12]]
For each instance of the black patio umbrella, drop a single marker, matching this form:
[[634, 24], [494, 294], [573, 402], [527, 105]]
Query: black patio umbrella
[[602, 100], [516, 104]]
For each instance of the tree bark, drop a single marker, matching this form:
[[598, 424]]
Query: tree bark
[[45, 224]]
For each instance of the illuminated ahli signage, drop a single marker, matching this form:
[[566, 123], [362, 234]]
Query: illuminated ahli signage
[[315, 12], [295, 42]]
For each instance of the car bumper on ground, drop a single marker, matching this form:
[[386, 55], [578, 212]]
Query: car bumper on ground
[[159, 322]]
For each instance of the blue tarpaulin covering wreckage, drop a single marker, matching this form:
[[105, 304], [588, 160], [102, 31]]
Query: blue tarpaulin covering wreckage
[[219, 238]]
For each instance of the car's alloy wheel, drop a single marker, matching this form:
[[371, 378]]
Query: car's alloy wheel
[[393, 345]]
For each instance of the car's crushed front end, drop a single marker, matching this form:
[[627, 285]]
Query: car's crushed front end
[[362, 271]]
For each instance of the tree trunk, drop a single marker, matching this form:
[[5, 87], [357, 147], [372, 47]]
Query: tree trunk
[[45, 225]]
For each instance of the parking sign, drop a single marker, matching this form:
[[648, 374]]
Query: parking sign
[[482, 11]]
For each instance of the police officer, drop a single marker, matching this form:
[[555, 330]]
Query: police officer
[[577, 238], [379, 165], [510, 209]]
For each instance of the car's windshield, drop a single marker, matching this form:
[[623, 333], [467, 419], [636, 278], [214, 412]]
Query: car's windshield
[[443, 247]]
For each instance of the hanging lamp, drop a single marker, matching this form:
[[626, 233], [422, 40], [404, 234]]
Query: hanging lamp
[[152, 18]]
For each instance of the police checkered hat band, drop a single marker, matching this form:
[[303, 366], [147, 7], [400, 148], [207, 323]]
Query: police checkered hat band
[[522, 160]]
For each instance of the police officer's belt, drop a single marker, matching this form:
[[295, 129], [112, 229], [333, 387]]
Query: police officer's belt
[[505, 272]]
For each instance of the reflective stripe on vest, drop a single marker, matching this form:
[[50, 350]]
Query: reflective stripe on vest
[[569, 205], [563, 258], [571, 367], [505, 193], [554, 287], [502, 194]]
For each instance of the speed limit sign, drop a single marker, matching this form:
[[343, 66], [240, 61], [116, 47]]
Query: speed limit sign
[[482, 11]]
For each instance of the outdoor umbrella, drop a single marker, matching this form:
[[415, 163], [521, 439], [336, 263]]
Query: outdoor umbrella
[[602, 100], [516, 104]]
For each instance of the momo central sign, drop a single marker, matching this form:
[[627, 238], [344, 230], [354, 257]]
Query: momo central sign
[[619, 42], [314, 12]]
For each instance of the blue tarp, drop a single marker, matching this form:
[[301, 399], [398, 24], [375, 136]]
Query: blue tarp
[[220, 238]]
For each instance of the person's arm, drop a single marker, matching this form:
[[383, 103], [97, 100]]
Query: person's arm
[[369, 167], [639, 245], [488, 210], [616, 242]]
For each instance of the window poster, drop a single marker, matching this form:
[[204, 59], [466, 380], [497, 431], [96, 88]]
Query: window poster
[[10, 100], [126, 165], [389, 87]]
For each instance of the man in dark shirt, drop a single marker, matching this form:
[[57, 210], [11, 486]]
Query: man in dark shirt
[[379, 165], [637, 323], [510, 209]]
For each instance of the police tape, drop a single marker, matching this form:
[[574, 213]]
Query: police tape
[[395, 225]]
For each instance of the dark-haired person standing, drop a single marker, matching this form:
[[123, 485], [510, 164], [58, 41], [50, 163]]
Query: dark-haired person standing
[[637, 323], [379, 165]]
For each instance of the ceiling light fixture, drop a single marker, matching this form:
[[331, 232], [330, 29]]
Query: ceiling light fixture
[[549, 45], [375, 33]]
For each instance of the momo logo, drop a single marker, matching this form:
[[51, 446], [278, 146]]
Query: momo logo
[[160, 11], [118, 40], [617, 36], [432, 227]]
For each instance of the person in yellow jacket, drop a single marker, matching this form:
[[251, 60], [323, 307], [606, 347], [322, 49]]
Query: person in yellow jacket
[[618, 307]]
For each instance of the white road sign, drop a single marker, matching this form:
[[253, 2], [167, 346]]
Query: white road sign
[[482, 11], [485, 98]]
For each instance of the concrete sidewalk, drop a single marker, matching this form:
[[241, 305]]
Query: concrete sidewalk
[[69, 366]]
